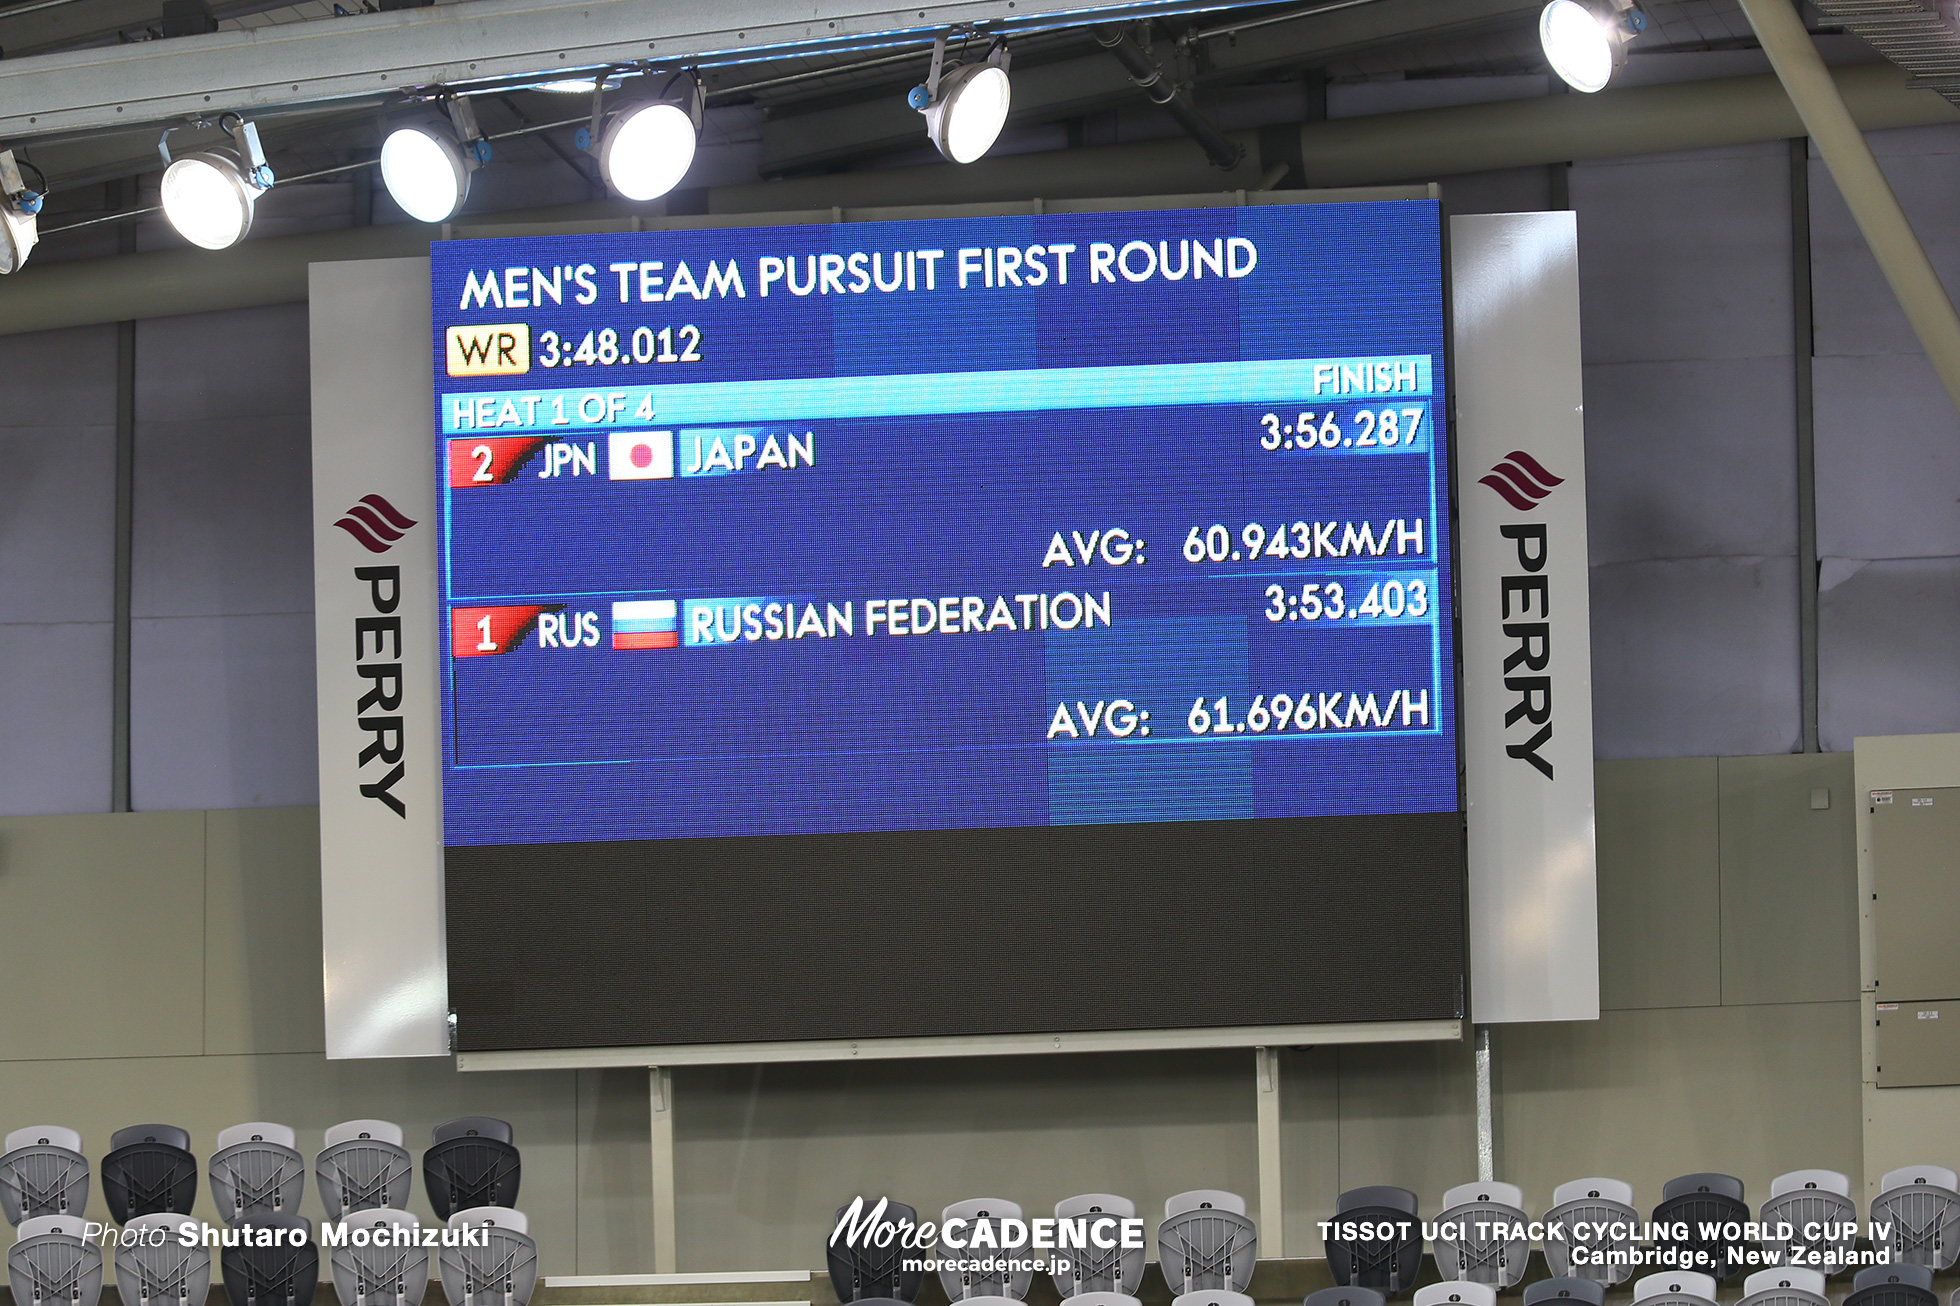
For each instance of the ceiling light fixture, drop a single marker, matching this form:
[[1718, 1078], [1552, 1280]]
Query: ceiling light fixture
[[965, 105], [427, 160], [19, 225], [209, 195], [646, 147], [1586, 41]]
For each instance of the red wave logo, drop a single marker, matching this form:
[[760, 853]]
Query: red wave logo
[[375, 523], [1521, 480]]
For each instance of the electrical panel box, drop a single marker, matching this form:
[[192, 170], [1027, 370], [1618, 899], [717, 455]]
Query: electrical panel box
[[1915, 845]]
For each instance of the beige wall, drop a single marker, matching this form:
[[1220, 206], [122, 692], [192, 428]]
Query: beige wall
[[165, 966]]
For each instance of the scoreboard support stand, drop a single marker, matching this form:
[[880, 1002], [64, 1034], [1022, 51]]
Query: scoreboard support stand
[[1272, 1205], [660, 1111]]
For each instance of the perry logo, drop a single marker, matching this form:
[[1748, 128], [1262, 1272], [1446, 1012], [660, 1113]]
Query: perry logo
[[1521, 480], [375, 523]]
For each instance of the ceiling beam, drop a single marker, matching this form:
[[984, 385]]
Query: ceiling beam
[[366, 56], [1070, 87]]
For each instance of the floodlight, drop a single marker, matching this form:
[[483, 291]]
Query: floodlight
[[1585, 41], [19, 227], [209, 195], [965, 105], [646, 147], [427, 160]]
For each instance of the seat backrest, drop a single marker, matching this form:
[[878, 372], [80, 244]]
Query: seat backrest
[[860, 1270], [1606, 1190], [362, 1172], [1675, 1285], [1212, 1298], [1207, 1248], [1382, 1195], [380, 1131], [168, 1135], [43, 1136], [147, 1173], [1581, 1292], [66, 1226], [162, 1272], [982, 1208], [1095, 1204], [1783, 1276], [1349, 1296], [502, 1271], [1907, 1176], [256, 1173], [474, 1127], [42, 1178], [1878, 1276], [1102, 1299], [276, 1263], [469, 1170], [258, 1131], [382, 1262], [1485, 1194], [962, 1284], [1204, 1199], [52, 1263], [1452, 1292], [1721, 1185], [1829, 1181]]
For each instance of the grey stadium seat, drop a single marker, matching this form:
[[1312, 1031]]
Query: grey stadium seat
[[472, 1163], [1578, 1292], [51, 1264], [1483, 1255], [502, 1272], [1456, 1292], [1817, 1200], [1698, 1202], [1387, 1264], [1103, 1299], [164, 1274], [385, 1272], [1212, 1297], [43, 1172], [1095, 1269], [1892, 1285], [1675, 1288], [363, 1166], [1786, 1285], [256, 1167], [149, 1169], [868, 1273], [284, 1275], [1339, 1296], [1599, 1204], [1207, 1243], [963, 1284], [1923, 1208]]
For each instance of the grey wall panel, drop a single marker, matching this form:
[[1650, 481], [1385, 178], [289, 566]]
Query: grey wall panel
[[57, 522], [247, 362], [262, 931], [1393, 1132], [1691, 459], [221, 712], [1686, 256], [54, 718], [1509, 190], [1310, 1143], [223, 516], [615, 1171], [1886, 651], [1888, 459], [1695, 658], [1856, 312], [59, 379], [1659, 883]]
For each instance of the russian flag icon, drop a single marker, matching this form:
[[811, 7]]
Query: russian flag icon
[[646, 623]]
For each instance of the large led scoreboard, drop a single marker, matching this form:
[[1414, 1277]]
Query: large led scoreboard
[[953, 627]]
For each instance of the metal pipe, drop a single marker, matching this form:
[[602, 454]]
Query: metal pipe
[[1866, 192], [1149, 75], [1388, 148]]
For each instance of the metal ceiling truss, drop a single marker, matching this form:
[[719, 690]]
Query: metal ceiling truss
[[1921, 36]]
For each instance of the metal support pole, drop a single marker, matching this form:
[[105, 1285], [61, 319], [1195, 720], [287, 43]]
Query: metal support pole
[[1866, 192], [1802, 350], [1486, 1111], [660, 1104], [123, 194], [1272, 1197]]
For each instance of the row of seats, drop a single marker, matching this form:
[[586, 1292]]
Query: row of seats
[[52, 1264], [1919, 1205], [1877, 1285], [472, 1162], [1205, 1245]]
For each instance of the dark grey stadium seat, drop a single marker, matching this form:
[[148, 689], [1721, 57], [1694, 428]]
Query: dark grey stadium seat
[[1595, 1214], [502, 1272], [1095, 1269], [1386, 1264], [284, 1275], [1698, 1201], [1892, 1285], [43, 1172], [472, 1163], [866, 1273], [1207, 1243], [1350, 1296], [256, 1167], [50, 1264], [363, 1167], [149, 1169], [165, 1273], [387, 1270], [1580, 1292]]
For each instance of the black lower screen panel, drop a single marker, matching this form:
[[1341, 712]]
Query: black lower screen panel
[[957, 932]]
